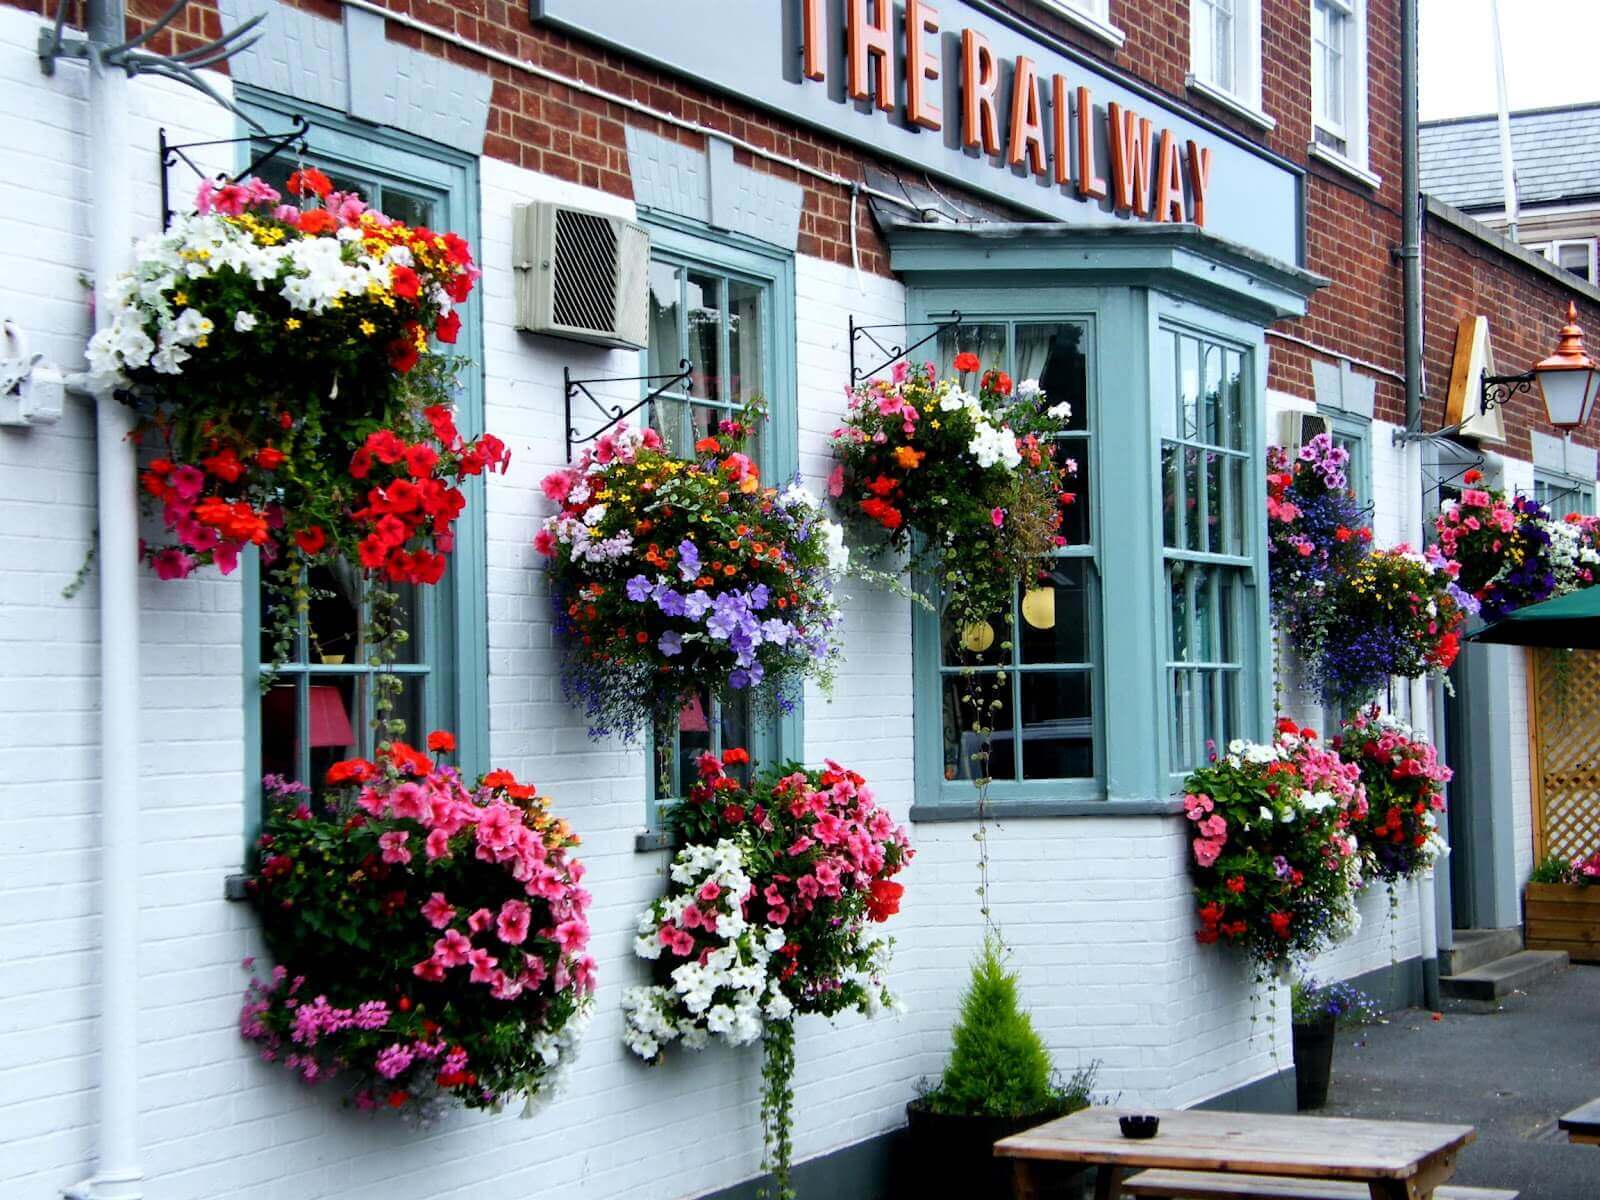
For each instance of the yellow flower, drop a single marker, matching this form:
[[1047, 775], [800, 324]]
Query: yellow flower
[[180, 297], [368, 328], [200, 343], [292, 324]]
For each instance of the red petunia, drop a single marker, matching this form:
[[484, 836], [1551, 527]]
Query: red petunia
[[317, 221], [420, 460], [309, 180], [883, 899], [448, 328], [404, 282], [311, 540], [351, 770], [735, 756], [224, 465], [269, 458], [403, 355], [708, 445], [441, 741]]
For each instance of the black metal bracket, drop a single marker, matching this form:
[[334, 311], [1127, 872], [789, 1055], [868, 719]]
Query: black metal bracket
[[1496, 392], [172, 153], [614, 413], [892, 352]]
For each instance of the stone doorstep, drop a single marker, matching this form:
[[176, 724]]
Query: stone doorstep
[[1499, 978], [1476, 947]]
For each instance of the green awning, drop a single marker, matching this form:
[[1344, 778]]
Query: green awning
[[1569, 622]]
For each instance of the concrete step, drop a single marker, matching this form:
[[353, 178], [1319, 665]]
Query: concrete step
[[1505, 975], [1475, 947]]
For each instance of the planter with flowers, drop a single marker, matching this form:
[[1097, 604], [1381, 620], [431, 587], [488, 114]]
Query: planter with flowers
[[1317, 1010], [1316, 533], [428, 935], [768, 917], [670, 575], [1275, 864], [1562, 907], [969, 482], [281, 357]]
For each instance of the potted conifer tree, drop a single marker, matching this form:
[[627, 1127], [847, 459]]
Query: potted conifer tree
[[999, 1081]]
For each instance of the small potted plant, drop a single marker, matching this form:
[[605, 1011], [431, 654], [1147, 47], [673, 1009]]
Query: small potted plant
[[999, 1081], [1318, 1010], [1562, 906]]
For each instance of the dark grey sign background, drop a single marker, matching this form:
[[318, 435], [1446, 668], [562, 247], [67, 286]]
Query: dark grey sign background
[[752, 48]]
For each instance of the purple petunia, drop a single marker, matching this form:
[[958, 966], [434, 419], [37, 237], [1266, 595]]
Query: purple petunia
[[639, 589], [671, 643]]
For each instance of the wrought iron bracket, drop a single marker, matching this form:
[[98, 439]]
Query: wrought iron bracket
[[172, 153], [892, 351], [1496, 392], [659, 386], [54, 45]]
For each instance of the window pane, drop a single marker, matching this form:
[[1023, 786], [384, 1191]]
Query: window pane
[[705, 310], [1196, 497], [1574, 257], [336, 725], [334, 614], [1235, 493], [1057, 724], [410, 706], [1236, 394], [1076, 526], [405, 206], [1055, 614], [977, 643], [988, 342], [1202, 598], [666, 349], [746, 362], [734, 729], [1053, 354], [982, 701], [279, 736], [1188, 389], [1172, 495], [1179, 609]]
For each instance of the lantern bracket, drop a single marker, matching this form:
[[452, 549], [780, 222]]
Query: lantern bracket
[[659, 384], [890, 350], [1496, 392]]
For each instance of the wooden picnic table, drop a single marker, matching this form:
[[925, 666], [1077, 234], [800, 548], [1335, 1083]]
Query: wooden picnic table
[[1397, 1160]]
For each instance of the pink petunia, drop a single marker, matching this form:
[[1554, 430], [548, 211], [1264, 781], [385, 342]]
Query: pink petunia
[[452, 949], [480, 920], [512, 924], [438, 911], [483, 966], [437, 845], [572, 935], [1206, 851], [394, 846]]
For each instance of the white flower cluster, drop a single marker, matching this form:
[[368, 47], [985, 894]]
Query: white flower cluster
[[991, 445], [798, 498], [557, 1051], [1241, 751], [150, 329], [1569, 555], [730, 994]]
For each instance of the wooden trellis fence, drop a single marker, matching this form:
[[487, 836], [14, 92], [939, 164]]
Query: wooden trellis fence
[[1564, 728]]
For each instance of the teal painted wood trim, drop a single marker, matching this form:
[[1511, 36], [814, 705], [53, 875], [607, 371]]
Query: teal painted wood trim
[[250, 699], [457, 610], [968, 810], [1358, 430]]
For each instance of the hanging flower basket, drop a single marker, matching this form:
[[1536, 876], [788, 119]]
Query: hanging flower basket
[[1275, 864], [970, 482], [281, 361], [1511, 552], [1316, 532], [1404, 784], [429, 936], [668, 576], [768, 917]]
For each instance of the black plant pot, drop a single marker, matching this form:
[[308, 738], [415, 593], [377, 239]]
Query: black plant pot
[[954, 1156], [1313, 1062]]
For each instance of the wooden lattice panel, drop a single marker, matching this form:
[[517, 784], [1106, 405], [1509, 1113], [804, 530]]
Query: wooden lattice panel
[[1566, 751]]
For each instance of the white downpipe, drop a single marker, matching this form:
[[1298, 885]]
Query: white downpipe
[[117, 1175]]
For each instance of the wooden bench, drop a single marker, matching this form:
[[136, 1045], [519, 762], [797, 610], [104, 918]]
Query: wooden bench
[[1583, 1123], [1218, 1185]]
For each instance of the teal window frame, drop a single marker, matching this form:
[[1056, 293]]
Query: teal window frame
[[1130, 326], [1244, 624], [1570, 493], [1354, 433], [455, 612], [693, 244]]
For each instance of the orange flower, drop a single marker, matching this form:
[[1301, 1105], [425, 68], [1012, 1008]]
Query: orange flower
[[908, 458], [966, 361]]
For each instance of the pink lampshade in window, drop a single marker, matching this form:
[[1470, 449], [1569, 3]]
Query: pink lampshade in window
[[692, 716], [330, 723]]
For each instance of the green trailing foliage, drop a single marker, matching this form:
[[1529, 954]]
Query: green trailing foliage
[[999, 1066]]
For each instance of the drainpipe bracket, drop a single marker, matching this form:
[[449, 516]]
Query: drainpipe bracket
[[30, 394]]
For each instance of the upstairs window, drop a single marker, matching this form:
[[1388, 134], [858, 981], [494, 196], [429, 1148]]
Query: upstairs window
[[1576, 255], [1225, 55], [1338, 80]]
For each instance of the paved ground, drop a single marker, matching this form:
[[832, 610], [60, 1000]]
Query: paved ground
[[1510, 1070]]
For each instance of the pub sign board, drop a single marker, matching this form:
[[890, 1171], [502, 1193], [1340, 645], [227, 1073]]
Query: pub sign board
[[958, 92]]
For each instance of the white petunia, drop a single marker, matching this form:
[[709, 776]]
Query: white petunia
[[244, 321]]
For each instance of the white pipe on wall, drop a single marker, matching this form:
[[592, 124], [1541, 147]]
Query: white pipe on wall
[[117, 1174]]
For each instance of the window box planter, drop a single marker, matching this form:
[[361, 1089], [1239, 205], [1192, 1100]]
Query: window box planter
[[1563, 916]]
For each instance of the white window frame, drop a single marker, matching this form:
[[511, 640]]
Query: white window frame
[[1091, 16], [1243, 98], [1354, 130], [1551, 252]]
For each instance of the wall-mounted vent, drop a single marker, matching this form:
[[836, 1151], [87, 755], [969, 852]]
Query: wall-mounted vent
[[1296, 428], [581, 275]]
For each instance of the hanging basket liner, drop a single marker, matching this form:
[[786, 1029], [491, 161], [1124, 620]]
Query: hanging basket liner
[[1570, 622]]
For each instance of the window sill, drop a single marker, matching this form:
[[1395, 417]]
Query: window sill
[[1000, 810], [1340, 163], [1086, 21], [1238, 107]]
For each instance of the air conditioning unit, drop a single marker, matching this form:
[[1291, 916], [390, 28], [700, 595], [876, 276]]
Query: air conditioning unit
[[1296, 428], [581, 275]]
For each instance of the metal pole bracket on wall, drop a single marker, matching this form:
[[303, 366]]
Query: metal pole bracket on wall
[[172, 153], [660, 385], [893, 352]]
